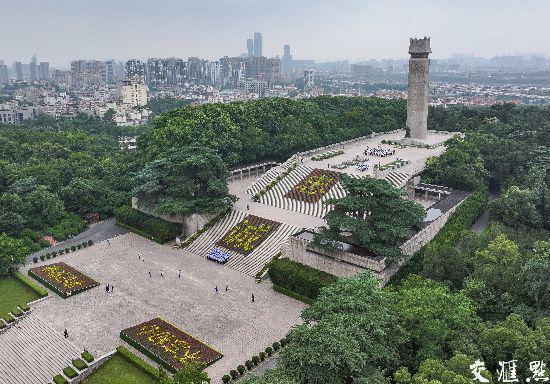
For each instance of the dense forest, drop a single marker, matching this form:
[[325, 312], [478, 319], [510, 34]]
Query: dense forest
[[466, 296]]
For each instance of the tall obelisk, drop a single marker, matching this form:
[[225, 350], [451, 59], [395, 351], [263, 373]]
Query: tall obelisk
[[417, 99]]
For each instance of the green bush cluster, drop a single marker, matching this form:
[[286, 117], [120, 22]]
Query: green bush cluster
[[80, 364], [87, 356], [274, 182], [70, 372], [60, 379], [298, 278], [25, 280], [49, 255], [152, 227], [327, 155]]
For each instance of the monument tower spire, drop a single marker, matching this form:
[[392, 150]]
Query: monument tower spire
[[417, 98]]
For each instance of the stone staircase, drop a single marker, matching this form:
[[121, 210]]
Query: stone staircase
[[397, 179], [276, 195], [33, 352], [253, 262]]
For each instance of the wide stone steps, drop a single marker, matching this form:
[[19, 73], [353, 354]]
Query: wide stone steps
[[33, 352], [276, 195], [251, 263], [398, 179], [263, 180]]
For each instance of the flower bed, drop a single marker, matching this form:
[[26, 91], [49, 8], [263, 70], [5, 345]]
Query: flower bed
[[168, 345], [246, 236], [62, 279], [314, 186]]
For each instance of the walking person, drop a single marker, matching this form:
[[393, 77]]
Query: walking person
[[150, 273], [112, 287], [216, 289], [161, 273], [107, 288], [139, 256], [66, 334], [179, 273], [252, 297], [226, 287], [247, 207]]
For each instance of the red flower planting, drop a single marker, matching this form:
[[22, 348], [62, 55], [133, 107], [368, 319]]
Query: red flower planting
[[168, 345], [62, 279], [314, 186], [246, 236]]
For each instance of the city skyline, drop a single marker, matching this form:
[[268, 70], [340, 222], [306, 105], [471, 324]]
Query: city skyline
[[353, 30]]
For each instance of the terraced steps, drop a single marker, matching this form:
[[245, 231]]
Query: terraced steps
[[398, 179], [251, 263], [33, 352]]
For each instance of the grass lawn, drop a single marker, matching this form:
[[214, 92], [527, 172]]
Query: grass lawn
[[14, 293], [118, 370]]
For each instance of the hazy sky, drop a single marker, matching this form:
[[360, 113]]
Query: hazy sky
[[63, 30]]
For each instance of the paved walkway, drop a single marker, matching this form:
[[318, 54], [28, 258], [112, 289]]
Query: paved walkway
[[96, 232], [227, 321]]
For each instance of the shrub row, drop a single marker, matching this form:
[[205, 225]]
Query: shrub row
[[274, 182], [147, 352], [145, 225], [87, 356], [461, 220], [25, 280], [60, 252], [80, 364], [327, 155], [234, 374], [70, 372], [60, 379], [137, 361], [298, 278], [207, 226]]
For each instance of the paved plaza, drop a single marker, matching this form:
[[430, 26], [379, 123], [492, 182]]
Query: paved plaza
[[227, 321]]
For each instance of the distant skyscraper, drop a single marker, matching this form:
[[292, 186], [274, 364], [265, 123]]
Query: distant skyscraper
[[44, 70], [18, 69], [257, 44], [3, 72], [33, 68], [250, 47], [309, 79], [286, 62]]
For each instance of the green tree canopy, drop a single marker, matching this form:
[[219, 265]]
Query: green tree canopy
[[12, 252], [348, 333], [374, 215], [185, 181]]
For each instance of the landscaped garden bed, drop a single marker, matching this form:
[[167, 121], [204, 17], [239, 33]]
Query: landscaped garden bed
[[123, 368], [314, 186], [62, 279], [168, 345], [246, 236]]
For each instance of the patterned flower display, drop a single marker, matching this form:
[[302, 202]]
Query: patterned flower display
[[246, 236], [168, 345], [62, 279], [314, 186]]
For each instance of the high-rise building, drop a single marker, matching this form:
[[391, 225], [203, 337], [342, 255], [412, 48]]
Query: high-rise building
[[18, 69], [309, 79], [133, 92], [257, 44], [44, 70], [286, 62], [136, 68], [250, 47], [3, 72]]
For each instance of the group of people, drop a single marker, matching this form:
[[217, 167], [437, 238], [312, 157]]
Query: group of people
[[379, 152], [227, 290]]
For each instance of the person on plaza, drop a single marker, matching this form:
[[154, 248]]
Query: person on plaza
[[150, 273], [226, 287], [112, 287], [179, 273], [252, 297], [107, 288], [216, 289], [139, 256], [161, 273], [66, 334], [247, 207]]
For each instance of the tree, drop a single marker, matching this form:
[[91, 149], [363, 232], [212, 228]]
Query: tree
[[185, 181], [373, 215], [348, 333], [516, 208], [272, 376], [437, 321], [535, 275], [12, 252], [191, 373]]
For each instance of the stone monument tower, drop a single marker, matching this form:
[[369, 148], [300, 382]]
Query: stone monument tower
[[417, 99]]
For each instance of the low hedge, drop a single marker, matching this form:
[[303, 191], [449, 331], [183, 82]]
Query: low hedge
[[137, 361], [8, 318], [80, 364], [60, 379], [226, 379], [234, 374], [241, 369], [16, 312], [70, 372], [87, 356], [151, 227], [298, 278], [25, 280]]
